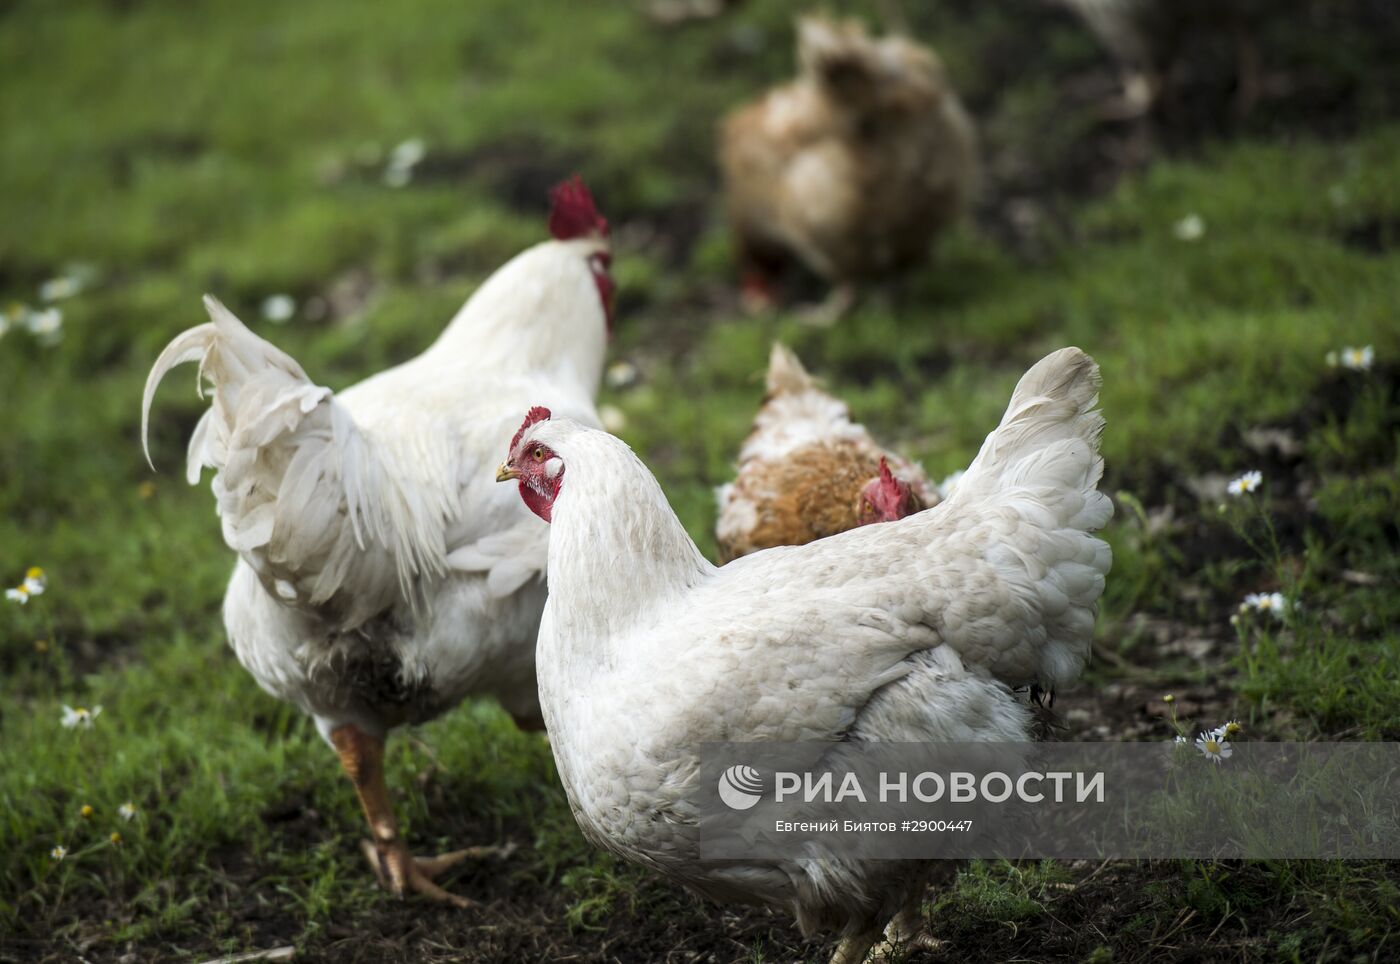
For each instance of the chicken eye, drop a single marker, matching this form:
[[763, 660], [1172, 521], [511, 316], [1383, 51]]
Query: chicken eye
[[868, 507], [539, 455]]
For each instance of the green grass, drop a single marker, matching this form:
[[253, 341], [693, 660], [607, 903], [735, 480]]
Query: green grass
[[239, 149]]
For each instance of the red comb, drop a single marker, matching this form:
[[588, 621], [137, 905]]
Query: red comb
[[886, 476], [537, 414], [572, 213]]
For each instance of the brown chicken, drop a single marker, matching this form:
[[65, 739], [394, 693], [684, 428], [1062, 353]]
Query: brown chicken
[[807, 471], [852, 168]]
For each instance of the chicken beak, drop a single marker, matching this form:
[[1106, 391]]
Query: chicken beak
[[505, 473]]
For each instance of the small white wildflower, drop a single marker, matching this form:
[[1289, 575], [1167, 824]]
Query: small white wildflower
[[59, 852], [35, 582], [613, 418], [127, 811], [621, 374], [1215, 749], [79, 717], [1245, 483], [946, 487], [279, 308], [408, 153], [18, 594], [1273, 603], [1189, 228], [402, 160], [45, 325], [56, 289], [1180, 740], [1358, 359]]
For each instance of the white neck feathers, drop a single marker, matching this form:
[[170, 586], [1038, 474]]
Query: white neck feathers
[[617, 551]]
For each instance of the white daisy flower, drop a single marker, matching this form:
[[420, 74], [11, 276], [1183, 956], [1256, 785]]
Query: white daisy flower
[[279, 308], [1189, 228], [127, 811], [402, 160], [1215, 749], [613, 418], [80, 717], [1355, 359], [1180, 740], [1274, 603], [408, 153], [45, 325], [1245, 483], [621, 374], [35, 582], [59, 852], [946, 487], [56, 289], [18, 594], [1358, 359]]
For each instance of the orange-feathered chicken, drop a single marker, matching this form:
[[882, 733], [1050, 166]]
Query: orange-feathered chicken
[[853, 167], [807, 471]]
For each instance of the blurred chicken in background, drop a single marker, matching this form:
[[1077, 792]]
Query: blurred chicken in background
[[853, 168], [807, 471]]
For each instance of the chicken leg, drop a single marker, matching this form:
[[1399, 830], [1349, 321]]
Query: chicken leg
[[362, 758]]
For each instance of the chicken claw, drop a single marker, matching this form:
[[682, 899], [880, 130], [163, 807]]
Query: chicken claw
[[400, 872], [362, 758]]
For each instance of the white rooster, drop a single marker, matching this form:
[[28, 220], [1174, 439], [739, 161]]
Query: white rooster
[[915, 630], [381, 576]]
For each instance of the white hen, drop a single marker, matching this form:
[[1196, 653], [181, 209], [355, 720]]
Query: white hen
[[914, 630], [382, 577]]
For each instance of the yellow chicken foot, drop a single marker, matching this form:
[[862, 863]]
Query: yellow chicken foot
[[906, 932], [362, 758]]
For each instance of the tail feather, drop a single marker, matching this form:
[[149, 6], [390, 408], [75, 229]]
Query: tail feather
[[302, 493], [193, 345], [1042, 464], [785, 372], [1049, 435]]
